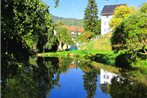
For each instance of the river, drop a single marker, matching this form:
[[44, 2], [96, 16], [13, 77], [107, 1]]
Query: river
[[54, 77]]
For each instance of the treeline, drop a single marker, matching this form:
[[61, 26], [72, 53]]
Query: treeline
[[129, 38]]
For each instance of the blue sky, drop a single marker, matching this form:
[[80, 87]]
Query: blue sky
[[75, 8]]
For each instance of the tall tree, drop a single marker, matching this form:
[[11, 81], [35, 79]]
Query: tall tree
[[91, 17]]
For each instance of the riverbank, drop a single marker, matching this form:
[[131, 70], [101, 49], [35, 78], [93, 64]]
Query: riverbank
[[105, 57], [75, 53]]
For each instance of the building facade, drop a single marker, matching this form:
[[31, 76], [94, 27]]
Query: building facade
[[106, 15]]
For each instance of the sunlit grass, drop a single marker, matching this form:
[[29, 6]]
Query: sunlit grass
[[103, 43], [75, 53]]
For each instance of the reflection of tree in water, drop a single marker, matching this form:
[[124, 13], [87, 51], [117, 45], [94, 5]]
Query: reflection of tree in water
[[105, 88], [126, 89], [64, 63], [30, 81], [45, 76], [90, 79]]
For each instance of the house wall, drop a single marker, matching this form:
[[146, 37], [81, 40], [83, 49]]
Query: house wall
[[106, 77], [105, 24]]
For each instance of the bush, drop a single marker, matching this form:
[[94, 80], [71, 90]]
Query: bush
[[86, 36], [140, 64], [123, 60]]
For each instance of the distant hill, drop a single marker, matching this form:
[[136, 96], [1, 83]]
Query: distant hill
[[68, 21]]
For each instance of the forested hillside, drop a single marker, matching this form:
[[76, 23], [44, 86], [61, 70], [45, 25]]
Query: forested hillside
[[68, 21]]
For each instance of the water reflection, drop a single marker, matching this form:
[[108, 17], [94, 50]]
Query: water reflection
[[45, 75], [90, 79], [66, 78], [127, 89], [30, 81], [122, 86], [106, 76]]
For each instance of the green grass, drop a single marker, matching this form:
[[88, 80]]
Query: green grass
[[141, 65], [105, 57], [78, 53], [103, 43]]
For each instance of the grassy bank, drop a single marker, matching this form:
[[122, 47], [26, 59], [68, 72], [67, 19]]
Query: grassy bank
[[105, 57], [103, 43], [75, 53]]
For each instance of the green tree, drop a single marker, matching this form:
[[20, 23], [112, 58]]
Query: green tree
[[99, 26], [85, 36], [25, 23], [143, 8], [131, 35], [63, 35], [91, 18], [121, 13]]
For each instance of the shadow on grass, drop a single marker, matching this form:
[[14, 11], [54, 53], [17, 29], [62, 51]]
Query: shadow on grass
[[121, 61]]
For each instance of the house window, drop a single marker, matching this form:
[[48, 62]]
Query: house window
[[107, 17], [107, 76], [104, 76]]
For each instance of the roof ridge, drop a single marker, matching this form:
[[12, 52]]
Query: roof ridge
[[116, 4], [109, 9]]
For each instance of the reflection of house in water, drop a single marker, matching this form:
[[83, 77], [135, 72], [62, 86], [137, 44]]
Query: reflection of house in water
[[106, 77]]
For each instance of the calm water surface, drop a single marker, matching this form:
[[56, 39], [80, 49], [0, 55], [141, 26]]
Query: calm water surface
[[72, 86], [66, 78]]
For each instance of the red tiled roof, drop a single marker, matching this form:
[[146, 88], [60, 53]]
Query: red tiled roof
[[74, 28]]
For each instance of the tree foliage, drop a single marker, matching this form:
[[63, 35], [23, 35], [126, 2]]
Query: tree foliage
[[91, 18], [131, 35], [121, 13], [56, 3], [25, 24], [85, 36], [98, 27], [62, 34], [143, 8]]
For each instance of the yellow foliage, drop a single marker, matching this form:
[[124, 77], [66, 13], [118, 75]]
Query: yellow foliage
[[121, 13]]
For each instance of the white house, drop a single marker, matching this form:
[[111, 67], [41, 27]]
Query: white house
[[106, 77], [106, 15]]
